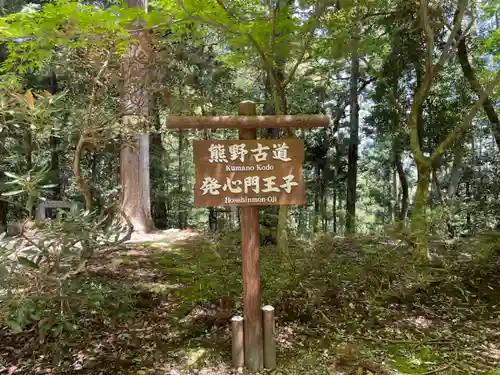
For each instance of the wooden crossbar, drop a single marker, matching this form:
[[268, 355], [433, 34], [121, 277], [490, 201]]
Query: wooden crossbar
[[246, 122]]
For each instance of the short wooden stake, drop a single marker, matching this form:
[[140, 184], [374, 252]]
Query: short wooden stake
[[269, 337], [238, 339]]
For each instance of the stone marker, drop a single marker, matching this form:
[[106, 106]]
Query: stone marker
[[41, 210]]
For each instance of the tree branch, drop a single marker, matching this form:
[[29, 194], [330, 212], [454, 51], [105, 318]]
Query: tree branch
[[378, 75], [218, 25], [268, 64], [462, 128], [320, 10], [457, 25], [470, 75], [429, 34], [274, 11], [433, 69], [82, 185]]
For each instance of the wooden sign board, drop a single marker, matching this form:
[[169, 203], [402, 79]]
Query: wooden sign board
[[249, 173]]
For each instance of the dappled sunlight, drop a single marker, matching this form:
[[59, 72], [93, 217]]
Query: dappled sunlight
[[150, 308], [165, 236]]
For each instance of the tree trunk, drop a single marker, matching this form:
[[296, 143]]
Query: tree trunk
[[445, 203], [94, 162], [420, 119], [336, 186], [425, 163], [456, 172], [135, 199], [4, 209], [316, 201], [270, 214], [352, 158], [334, 210], [54, 146], [4, 206], [134, 156], [395, 196], [30, 203], [159, 208], [418, 217], [324, 218], [275, 103], [301, 221], [470, 75], [54, 167], [180, 182], [29, 149], [403, 182], [212, 215], [281, 10], [468, 215]]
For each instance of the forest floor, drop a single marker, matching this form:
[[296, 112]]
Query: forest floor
[[161, 305]]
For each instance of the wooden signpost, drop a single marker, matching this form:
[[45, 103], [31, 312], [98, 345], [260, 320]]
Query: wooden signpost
[[249, 173], [253, 172]]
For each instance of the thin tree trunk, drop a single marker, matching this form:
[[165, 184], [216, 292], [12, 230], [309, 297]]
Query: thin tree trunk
[[469, 216], [456, 176], [4, 206], [334, 210], [94, 161], [159, 211], [301, 222], [54, 167], [316, 201], [54, 146], [352, 169], [336, 186], [395, 196], [420, 119], [444, 202], [29, 149], [30, 204], [456, 172], [4, 209], [280, 9], [403, 182], [212, 215], [180, 181], [324, 218]]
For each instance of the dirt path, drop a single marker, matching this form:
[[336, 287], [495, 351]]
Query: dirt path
[[166, 237]]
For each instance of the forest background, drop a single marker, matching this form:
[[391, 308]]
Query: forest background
[[409, 162]]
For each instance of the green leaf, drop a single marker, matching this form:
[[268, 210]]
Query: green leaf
[[14, 326], [11, 175], [11, 193], [32, 251], [25, 262]]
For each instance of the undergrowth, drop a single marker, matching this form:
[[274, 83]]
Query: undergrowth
[[365, 293], [357, 305]]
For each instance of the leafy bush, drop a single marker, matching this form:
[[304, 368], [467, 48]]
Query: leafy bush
[[39, 269]]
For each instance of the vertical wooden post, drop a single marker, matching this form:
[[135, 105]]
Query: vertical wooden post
[[269, 340], [250, 247], [237, 342]]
